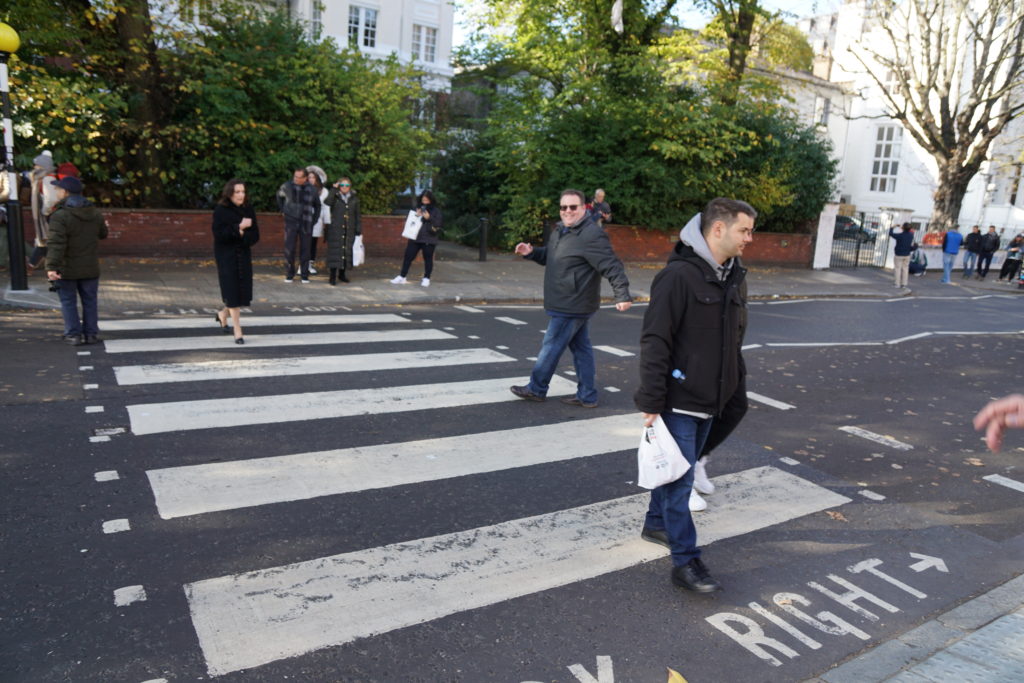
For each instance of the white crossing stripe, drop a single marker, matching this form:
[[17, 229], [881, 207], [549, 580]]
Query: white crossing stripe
[[253, 618], [198, 489], [877, 438], [304, 365], [191, 323], [224, 342], [769, 401], [469, 309], [510, 321], [154, 418], [1005, 481], [614, 351]]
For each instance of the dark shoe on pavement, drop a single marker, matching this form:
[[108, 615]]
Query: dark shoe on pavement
[[524, 393], [658, 536], [694, 576], [92, 339], [73, 339], [575, 401]]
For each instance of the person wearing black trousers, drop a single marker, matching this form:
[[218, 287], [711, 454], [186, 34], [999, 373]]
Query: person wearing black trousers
[[426, 240]]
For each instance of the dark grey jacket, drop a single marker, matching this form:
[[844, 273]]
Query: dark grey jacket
[[574, 265]]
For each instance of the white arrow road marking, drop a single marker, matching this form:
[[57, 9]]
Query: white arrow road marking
[[248, 619], [198, 489], [225, 343], [302, 365], [877, 438], [928, 562], [154, 418]]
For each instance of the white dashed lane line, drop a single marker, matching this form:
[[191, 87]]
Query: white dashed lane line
[[769, 401], [510, 321], [877, 438], [1005, 481]]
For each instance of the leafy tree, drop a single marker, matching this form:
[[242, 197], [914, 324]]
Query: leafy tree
[[258, 98]]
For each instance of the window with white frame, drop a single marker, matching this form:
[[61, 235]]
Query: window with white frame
[[424, 43], [822, 109], [316, 20], [362, 26], [885, 166]]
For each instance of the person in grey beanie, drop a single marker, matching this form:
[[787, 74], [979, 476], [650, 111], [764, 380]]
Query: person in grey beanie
[[44, 199]]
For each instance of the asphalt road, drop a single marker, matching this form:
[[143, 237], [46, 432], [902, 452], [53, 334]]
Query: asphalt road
[[386, 540]]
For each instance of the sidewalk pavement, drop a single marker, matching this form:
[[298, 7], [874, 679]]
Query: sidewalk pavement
[[981, 640], [153, 285]]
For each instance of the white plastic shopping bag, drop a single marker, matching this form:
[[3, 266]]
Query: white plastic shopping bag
[[659, 460], [412, 226], [358, 251]]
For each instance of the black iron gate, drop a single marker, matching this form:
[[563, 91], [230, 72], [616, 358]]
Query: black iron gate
[[859, 241]]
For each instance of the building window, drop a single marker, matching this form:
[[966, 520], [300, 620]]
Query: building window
[[424, 43], [195, 10], [316, 20], [822, 109], [362, 26], [885, 166]]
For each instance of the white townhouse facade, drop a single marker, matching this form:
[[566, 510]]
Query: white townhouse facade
[[881, 167], [418, 31]]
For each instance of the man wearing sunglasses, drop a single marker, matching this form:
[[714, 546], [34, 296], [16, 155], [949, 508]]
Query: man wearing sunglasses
[[578, 254]]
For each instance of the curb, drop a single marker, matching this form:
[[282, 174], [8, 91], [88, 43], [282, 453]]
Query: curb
[[937, 650]]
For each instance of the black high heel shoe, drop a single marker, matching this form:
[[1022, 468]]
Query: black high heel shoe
[[239, 340], [224, 327]]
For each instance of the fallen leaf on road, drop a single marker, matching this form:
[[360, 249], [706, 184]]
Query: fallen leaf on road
[[974, 461], [838, 516]]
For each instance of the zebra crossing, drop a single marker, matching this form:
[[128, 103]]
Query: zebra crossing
[[267, 614]]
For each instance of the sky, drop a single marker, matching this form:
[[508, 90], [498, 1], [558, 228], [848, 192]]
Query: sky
[[692, 18]]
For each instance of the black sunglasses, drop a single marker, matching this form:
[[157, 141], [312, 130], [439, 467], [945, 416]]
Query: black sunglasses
[[568, 207]]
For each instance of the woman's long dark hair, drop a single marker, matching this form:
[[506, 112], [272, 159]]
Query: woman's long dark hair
[[229, 189], [429, 195]]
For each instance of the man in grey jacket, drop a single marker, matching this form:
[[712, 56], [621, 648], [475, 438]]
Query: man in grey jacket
[[577, 256]]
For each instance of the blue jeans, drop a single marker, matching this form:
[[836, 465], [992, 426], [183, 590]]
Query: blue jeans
[[669, 508], [69, 291], [970, 258], [561, 333], [947, 266]]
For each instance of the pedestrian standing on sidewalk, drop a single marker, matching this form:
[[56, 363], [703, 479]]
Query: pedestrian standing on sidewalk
[[972, 245], [72, 260], [600, 211], [989, 246], [318, 177], [234, 233], [904, 245], [298, 201], [342, 229], [691, 364], [426, 240], [950, 248], [44, 201], [577, 256], [1014, 253]]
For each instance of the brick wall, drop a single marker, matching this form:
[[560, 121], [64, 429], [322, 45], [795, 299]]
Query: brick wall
[[170, 233], [640, 244]]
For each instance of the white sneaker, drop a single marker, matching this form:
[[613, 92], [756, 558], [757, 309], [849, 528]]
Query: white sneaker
[[425, 282], [289, 280], [305, 282], [312, 270], [399, 280], [701, 483], [697, 504]]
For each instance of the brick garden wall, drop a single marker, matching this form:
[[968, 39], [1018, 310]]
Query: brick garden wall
[[170, 233]]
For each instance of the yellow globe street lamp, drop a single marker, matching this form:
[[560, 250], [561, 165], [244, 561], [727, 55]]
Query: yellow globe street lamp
[[9, 44]]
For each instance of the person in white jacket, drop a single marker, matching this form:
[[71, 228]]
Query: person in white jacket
[[319, 178]]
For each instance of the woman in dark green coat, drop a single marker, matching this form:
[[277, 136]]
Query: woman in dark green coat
[[341, 232]]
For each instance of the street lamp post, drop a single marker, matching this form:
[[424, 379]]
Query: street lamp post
[[9, 44]]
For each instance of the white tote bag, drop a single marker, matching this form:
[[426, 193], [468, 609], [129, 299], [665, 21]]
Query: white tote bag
[[412, 226], [659, 460], [358, 252]]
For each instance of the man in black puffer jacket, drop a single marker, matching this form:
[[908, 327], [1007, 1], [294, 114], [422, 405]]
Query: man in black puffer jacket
[[577, 256], [691, 365]]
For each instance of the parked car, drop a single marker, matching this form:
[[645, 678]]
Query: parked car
[[849, 227]]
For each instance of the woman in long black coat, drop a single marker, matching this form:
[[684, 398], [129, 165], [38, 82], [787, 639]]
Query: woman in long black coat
[[341, 232], [234, 233]]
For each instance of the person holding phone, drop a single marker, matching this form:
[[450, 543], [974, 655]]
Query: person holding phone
[[426, 240], [234, 233]]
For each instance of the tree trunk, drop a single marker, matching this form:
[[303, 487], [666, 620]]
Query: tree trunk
[[144, 161], [949, 195], [739, 34]]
